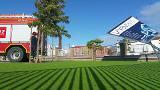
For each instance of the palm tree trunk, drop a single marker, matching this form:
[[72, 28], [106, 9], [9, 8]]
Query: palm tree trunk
[[30, 61], [42, 43], [94, 52], [37, 56], [60, 42], [58, 50], [52, 48]]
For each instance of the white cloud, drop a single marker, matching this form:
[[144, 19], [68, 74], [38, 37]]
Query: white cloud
[[150, 10], [151, 14]]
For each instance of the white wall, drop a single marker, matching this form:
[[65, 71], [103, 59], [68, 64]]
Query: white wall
[[20, 33], [138, 48], [141, 48]]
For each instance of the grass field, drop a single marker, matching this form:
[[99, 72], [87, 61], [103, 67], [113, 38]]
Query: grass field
[[80, 75]]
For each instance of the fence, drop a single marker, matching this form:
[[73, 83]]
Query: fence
[[78, 52]]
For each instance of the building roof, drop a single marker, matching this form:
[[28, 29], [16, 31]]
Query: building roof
[[16, 19]]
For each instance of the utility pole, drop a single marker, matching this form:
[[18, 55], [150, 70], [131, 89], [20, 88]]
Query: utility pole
[[52, 47], [30, 61]]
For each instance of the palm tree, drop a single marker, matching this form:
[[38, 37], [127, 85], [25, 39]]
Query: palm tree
[[49, 13], [94, 45], [60, 33]]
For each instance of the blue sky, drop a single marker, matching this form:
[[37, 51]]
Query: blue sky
[[91, 19]]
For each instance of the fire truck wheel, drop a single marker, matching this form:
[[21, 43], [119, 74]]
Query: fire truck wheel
[[15, 54]]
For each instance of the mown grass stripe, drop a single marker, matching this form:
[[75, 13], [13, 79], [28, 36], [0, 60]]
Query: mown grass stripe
[[155, 76], [65, 80], [128, 81], [140, 73], [10, 76], [23, 81], [108, 80], [146, 80], [1, 74], [72, 80], [60, 81], [6, 75], [148, 75], [93, 82], [14, 80], [118, 84], [88, 79], [45, 79], [13, 76], [76, 81], [22, 86], [80, 82], [98, 79], [31, 83], [84, 80], [53, 80], [68, 81], [144, 86]]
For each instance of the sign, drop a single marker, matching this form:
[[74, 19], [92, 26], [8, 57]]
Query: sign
[[3, 32], [134, 29]]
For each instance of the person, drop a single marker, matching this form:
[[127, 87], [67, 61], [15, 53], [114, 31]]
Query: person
[[33, 45]]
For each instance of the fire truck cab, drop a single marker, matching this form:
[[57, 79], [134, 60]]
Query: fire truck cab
[[15, 36]]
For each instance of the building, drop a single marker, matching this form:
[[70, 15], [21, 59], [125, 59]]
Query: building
[[82, 51], [138, 48]]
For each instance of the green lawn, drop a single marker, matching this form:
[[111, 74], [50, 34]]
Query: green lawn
[[80, 75]]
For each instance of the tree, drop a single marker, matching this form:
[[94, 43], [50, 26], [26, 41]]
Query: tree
[[60, 33], [94, 45], [50, 16]]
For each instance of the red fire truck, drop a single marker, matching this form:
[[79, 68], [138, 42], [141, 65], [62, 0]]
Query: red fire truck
[[15, 36]]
